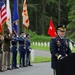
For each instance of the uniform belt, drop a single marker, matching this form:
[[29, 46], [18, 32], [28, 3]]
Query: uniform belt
[[21, 45], [14, 45]]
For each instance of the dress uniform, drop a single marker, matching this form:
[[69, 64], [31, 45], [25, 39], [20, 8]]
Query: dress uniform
[[6, 49], [22, 52], [28, 49], [59, 48], [14, 51], [1, 53]]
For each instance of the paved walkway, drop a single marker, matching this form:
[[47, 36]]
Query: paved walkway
[[36, 69], [42, 53]]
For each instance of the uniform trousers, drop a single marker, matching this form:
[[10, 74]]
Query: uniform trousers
[[22, 58], [14, 59], [28, 58], [55, 72], [1, 61], [6, 59]]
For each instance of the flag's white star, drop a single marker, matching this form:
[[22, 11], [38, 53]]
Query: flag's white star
[[50, 27]]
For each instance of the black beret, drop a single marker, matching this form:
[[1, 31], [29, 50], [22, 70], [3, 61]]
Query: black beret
[[21, 32], [27, 35]]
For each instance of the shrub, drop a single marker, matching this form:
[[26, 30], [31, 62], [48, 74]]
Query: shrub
[[38, 38], [41, 38]]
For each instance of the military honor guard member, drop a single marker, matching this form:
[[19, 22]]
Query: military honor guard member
[[6, 49], [1, 52], [28, 49], [59, 48], [22, 49], [14, 51]]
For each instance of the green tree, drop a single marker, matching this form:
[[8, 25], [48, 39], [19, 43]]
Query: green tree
[[71, 17], [40, 12]]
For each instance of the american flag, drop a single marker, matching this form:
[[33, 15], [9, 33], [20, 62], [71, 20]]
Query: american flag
[[3, 14]]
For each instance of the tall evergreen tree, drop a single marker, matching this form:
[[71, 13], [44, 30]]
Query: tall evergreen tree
[[71, 17]]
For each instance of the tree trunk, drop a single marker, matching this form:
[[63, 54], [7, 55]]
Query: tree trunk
[[59, 14], [43, 18], [20, 16], [36, 20]]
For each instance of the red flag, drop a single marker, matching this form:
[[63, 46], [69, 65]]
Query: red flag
[[0, 23], [25, 15], [51, 29]]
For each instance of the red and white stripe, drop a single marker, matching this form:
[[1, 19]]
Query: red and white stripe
[[3, 14]]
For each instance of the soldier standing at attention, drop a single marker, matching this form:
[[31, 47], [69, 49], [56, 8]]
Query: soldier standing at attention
[[6, 48], [28, 49], [14, 51], [59, 48], [1, 53], [21, 41]]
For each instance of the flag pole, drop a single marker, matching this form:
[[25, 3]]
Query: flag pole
[[3, 30], [51, 17], [18, 15], [23, 27]]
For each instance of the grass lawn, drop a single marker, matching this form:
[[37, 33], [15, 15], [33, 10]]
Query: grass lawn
[[39, 59], [46, 48], [73, 49], [40, 47]]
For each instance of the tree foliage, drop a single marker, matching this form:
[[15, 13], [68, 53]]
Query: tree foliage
[[40, 12], [71, 17]]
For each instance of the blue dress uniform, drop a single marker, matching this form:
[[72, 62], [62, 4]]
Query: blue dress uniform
[[14, 52], [59, 49], [22, 51], [28, 49]]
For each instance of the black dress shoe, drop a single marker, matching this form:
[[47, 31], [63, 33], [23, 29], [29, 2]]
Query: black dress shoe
[[1, 70], [24, 66], [20, 65], [16, 67], [9, 68], [30, 65]]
